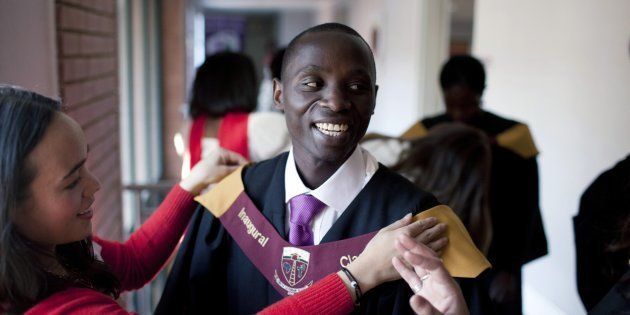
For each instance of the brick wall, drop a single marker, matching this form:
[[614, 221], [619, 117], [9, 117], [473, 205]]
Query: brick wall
[[88, 82]]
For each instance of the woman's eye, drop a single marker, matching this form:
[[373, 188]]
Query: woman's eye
[[74, 183]]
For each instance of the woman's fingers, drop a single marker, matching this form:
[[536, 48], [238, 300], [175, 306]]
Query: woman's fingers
[[227, 157], [432, 234], [398, 224], [438, 245], [413, 246], [420, 226]]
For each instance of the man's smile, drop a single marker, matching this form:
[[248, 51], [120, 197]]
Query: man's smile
[[332, 129]]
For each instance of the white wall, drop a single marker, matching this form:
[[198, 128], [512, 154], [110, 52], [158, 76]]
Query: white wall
[[563, 67], [28, 54], [293, 22], [411, 44]]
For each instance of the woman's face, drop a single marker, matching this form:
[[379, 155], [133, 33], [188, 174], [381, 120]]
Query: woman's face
[[58, 208]]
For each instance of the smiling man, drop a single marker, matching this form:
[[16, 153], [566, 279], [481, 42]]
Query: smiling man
[[325, 190]]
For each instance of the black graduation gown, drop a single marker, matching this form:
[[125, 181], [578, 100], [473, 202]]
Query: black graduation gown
[[212, 275], [617, 300], [518, 232], [604, 208]]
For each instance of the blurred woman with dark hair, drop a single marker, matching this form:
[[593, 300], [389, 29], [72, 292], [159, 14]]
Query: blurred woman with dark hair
[[223, 99], [453, 162]]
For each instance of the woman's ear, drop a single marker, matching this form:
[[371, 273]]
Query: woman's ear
[[277, 95]]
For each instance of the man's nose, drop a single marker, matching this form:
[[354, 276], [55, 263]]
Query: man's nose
[[335, 99]]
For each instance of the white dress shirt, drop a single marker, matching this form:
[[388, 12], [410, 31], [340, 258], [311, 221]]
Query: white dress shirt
[[337, 192]]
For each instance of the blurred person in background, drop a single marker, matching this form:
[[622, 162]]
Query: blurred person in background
[[452, 162], [518, 232], [602, 235], [221, 109], [272, 70]]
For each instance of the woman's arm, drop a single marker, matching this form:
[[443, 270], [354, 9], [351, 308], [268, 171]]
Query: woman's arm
[[140, 258], [335, 295], [77, 301]]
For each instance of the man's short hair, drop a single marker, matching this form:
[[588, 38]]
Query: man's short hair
[[326, 27], [463, 70]]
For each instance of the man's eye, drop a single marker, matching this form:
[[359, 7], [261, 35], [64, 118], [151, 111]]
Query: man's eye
[[356, 86], [312, 84]]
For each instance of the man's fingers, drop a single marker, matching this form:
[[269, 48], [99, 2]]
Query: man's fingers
[[430, 264], [420, 226], [421, 306], [407, 273]]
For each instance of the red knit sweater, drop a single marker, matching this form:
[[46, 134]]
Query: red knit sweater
[[140, 258]]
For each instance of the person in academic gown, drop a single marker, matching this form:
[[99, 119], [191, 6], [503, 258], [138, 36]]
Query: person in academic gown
[[602, 235], [518, 232], [327, 94]]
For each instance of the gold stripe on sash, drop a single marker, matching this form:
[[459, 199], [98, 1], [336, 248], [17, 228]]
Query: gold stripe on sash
[[219, 199], [519, 140], [461, 257], [416, 131]]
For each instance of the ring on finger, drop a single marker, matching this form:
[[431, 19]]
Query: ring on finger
[[417, 287]]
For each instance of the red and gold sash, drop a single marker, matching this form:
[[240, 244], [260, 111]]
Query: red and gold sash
[[290, 269]]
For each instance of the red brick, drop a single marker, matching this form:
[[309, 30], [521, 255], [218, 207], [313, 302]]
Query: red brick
[[101, 129], [70, 44]]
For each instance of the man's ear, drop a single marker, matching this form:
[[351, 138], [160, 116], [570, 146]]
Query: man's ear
[[375, 94], [277, 94]]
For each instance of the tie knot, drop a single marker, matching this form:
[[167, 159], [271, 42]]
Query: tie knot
[[303, 208]]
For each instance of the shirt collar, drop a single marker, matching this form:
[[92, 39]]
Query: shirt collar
[[336, 192]]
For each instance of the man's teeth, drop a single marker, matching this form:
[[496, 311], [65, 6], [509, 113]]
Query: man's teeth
[[332, 129]]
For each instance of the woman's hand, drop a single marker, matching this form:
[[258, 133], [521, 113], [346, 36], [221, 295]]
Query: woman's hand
[[374, 267], [436, 292], [211, 169]]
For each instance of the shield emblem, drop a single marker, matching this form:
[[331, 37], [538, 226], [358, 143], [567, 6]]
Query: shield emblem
[[294, 264]]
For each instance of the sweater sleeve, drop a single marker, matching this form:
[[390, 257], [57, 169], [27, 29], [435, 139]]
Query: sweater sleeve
[[139, 259], [326, 296], [75, 301]]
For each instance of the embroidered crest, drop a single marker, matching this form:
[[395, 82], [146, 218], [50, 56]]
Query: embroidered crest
[[294, 264]]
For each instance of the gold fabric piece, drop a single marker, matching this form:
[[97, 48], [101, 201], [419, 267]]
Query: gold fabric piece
[[461, 257], [416, 131], [519, 140], [219, 199]]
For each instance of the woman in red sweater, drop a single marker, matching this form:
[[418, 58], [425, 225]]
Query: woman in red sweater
[[47, 261]]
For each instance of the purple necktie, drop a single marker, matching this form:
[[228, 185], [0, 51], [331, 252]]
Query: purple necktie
[[303, 210]]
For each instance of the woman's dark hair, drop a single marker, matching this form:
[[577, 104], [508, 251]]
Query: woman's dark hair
[[24, 117], [463, 70], [453, 163], [225, 82]]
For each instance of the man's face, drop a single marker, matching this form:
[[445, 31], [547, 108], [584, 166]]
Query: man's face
[[462, 103], [328, 95]]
